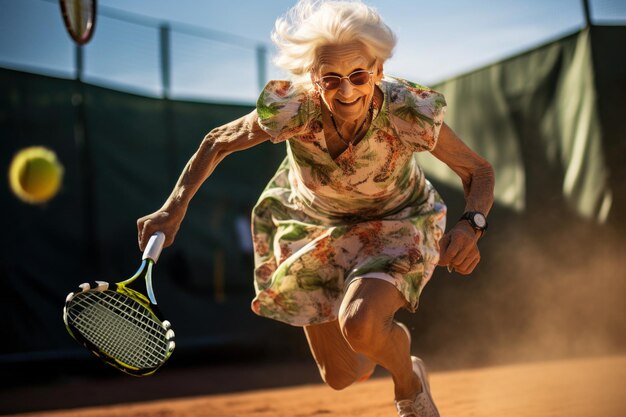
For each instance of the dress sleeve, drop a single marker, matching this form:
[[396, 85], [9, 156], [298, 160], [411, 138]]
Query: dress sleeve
[[417, 114], [283, 112]]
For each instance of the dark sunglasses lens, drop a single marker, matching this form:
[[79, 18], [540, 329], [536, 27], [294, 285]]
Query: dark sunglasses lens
[[330, 83], [359, 78]]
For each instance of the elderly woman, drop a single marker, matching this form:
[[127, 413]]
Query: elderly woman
[[348, 230]]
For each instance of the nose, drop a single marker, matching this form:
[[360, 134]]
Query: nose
[[345, 87]]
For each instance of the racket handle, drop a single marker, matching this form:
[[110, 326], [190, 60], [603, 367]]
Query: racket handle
[[154, 247]]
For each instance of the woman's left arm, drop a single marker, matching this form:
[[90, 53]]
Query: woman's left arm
[[458, 247]]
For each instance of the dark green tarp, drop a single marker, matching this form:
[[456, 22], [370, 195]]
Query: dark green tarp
[[137, 148], [535, 118]]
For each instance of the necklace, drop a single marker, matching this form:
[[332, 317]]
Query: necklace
[[358, 131]]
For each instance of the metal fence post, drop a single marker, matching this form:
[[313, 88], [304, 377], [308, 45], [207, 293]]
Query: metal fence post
[[78, 62], [165, 60], [90, 258], [261, 55], [587, 13], [168, 111]]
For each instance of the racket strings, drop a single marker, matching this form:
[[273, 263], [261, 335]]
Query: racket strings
[[101, 332], [120, 327], [131, 310], [133, 352], [128, 309], [120, 340], [127, 340]]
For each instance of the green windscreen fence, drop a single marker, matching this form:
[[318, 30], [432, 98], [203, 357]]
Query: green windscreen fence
[[535, 118], [551, 121], [122, 155]]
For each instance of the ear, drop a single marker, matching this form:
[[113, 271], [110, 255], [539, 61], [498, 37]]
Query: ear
[[378, 72]]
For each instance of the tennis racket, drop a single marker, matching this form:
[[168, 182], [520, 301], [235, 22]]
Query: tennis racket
[[121, 325], [79, 17]]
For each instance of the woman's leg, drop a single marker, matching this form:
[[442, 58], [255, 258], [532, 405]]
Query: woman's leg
[[339, 365], [366, 322]]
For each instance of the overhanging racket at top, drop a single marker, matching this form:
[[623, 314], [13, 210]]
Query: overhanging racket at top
[[121, 325]]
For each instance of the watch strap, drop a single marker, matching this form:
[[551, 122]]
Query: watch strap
[[469, 216]]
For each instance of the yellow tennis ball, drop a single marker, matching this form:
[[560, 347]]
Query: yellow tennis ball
[[35, 175]]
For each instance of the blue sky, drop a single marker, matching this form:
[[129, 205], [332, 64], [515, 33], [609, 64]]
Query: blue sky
[[437, 40]]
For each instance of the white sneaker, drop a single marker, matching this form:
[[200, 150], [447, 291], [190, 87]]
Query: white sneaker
[[423, 405]]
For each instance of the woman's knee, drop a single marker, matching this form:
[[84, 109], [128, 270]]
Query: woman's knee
[[362, 326], [367, 313]]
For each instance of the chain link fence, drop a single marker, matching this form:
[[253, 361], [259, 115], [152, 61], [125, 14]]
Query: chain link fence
[[128, 50]]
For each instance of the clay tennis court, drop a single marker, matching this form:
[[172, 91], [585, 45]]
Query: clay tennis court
[[586, 387]]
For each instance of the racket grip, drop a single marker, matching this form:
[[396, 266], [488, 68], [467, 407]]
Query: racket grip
[[154, 247]]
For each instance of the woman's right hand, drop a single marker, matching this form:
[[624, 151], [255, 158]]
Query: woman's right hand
[[166, 220]]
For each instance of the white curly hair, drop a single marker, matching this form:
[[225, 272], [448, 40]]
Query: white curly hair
[[314, 23]]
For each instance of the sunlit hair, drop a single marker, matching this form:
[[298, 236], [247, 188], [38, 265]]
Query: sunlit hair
[[314, 23]]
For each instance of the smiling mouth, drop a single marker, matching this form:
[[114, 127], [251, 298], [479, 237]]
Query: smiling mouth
[[349, 102]]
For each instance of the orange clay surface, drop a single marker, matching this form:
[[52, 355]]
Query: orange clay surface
[[569, 388]]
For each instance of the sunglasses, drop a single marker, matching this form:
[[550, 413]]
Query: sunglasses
[[332, 82]]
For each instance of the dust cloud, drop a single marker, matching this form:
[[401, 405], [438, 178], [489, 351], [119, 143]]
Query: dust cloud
[[534, 297]]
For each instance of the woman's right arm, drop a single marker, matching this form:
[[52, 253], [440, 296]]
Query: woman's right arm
[[238, 135]]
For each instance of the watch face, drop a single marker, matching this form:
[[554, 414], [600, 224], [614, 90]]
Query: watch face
[[479, 220]]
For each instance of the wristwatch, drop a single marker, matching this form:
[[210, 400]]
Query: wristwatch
[[477, 220]]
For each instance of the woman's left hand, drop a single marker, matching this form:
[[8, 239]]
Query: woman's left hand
[[458, 248]]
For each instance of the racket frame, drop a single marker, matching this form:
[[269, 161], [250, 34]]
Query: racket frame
[[150, 256]]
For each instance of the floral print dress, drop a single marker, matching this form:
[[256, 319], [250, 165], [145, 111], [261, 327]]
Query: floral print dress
[[370, 213]]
